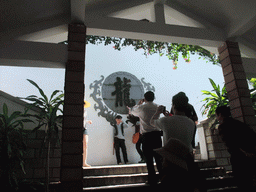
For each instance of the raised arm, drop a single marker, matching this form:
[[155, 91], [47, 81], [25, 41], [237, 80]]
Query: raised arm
[[154, 120]]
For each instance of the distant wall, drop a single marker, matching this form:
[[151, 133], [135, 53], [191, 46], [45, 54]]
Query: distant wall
[[35, 161], [15, 104]]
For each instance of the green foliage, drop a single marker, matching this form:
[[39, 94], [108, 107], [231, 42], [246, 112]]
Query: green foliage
[[170, 50], [253, 94], [12, 145], [216, 97], [253, 83], [48, 118]]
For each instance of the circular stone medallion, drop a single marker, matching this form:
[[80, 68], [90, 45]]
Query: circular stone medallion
[[121, 89]]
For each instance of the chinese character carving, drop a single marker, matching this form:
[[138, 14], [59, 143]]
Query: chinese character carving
[[118, 92], [122, 92]]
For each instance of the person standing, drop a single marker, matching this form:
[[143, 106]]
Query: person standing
[[139, 143], [85, 134], [119, 139], [240, 140], [190, 113], [151, 135], [179, 130], [137, 137], [178, 126]]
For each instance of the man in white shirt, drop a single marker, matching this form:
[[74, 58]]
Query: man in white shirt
[[151, 135], [178, 126], [119, 139]]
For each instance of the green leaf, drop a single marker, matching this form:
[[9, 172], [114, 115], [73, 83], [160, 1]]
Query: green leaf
[[39, 89], [224, 90], [59, 97], [53, 94], [9, 149], [219, 98], [213, 85], [27, 121], [14, 115], [5, 109], [32, 96], [38, 127], [22, 166]]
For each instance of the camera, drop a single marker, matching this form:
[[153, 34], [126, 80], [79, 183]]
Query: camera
[[164, 109]]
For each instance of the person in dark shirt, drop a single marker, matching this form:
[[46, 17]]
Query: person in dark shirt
[[137, 137], [190, 113], [240, 140], [119, 139]]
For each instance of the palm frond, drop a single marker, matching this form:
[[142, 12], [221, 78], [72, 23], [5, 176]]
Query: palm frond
[[53, 94], [218, 97], [213, 85], [13, 116], [40, 90], [5, 110]]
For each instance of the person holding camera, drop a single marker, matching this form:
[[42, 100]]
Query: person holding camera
[[178, 126], [179, 130], [151, 135]]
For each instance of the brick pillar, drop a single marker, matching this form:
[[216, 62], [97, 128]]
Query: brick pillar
[[216, 148], [72, 146], [236, 84]]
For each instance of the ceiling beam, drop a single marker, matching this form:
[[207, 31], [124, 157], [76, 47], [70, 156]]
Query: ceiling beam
[[117, 27], [193, 15], [52, 35], [101, 11], [41, 25], [246, 47], [240, 28], [78, 11], [159, 13], [249, 67], [33, 54]]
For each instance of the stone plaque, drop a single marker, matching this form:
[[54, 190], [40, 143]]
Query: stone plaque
[[121, 89]]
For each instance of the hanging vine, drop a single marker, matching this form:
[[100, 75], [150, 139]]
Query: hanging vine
[[170, 50]]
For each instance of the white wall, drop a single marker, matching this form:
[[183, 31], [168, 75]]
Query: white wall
[[104, 60], [200, 137], [100, 147], [15, 104]]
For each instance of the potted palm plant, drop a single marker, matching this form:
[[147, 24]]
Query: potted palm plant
[[216, 97], [12, 146], [49, 119]]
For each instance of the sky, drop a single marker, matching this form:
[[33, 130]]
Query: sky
[[188, 77]]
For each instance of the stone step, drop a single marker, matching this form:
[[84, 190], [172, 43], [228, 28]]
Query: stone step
[[206, 163], [104, 180], [136, 181], [96, 181], [212, 172], [143, 186], [125, 187], [115, 169], [220, 182], [100, 176], [225, 189], [132, 168]]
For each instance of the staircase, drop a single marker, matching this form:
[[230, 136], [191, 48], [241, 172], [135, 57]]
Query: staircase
[[134, 176]]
